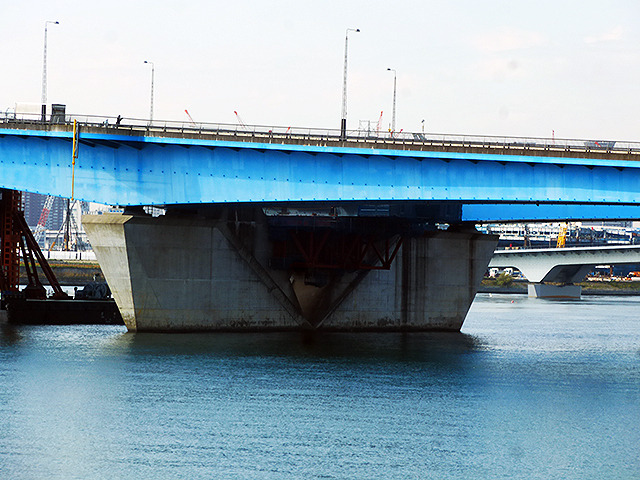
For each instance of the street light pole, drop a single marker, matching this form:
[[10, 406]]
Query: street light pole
[[393, 116], [343, 123], [152, 75], [44, 68]]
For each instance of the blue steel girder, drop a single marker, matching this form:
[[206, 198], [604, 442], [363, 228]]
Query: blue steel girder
[[139, 170]]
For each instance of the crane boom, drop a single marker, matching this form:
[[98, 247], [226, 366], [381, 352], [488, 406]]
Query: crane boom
[[41, 227], [240, 122], [379, 123], [191, 119]]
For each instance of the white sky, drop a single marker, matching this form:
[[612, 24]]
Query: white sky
[[491, 67]]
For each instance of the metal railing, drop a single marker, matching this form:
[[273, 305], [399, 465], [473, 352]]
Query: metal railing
[[275, 134]]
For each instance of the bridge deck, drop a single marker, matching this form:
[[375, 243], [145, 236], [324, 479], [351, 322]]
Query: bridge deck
[[469, 144], [471, 179]]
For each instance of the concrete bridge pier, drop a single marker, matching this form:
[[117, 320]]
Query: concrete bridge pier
[[226, 272], [545, 290], [563, 279]]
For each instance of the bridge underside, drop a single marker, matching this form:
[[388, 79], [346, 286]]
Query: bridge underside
[[240, 269]]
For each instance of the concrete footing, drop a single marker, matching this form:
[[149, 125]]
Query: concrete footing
[[543, 290], [185, 274]]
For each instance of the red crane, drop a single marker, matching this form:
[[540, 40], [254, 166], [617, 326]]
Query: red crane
[[379, 124], [41, 227]]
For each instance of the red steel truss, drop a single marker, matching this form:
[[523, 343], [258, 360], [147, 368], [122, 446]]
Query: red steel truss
[[15, 238], [326, 249]]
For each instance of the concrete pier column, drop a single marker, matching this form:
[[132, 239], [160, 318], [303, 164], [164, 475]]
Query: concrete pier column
[[544, 290], [430, 286], [184, 274]]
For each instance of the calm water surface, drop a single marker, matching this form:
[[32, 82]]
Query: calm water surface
[[530, 389]]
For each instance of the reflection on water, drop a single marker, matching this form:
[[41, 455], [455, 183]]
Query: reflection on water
[[9, 334], [394, 347], [530, 389]]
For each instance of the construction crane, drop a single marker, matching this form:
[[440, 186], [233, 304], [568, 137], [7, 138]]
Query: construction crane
[[191, 119], [379, 123], [68, 229], [41, 227], [240, 122]]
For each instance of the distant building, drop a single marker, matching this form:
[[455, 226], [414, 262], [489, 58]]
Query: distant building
[[33, 203]]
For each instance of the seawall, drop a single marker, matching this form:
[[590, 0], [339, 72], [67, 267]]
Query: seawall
[[69, 272], [588, 288]]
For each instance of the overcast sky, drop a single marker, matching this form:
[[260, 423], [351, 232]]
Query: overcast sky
[[489, 67]]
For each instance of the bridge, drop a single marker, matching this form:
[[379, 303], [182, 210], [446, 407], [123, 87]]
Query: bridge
[[478, 178], [303, 229], [551, 272]]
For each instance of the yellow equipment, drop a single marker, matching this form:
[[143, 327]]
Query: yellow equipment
[[562, 237]]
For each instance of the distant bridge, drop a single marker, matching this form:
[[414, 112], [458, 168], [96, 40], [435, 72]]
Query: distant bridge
[[565, 266]]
